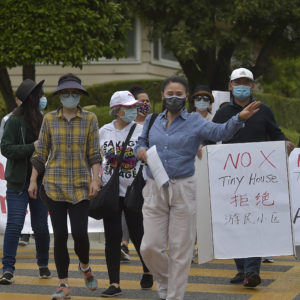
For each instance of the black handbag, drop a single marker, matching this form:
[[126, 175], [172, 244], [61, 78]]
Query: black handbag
[[134, 199], [106, 203]]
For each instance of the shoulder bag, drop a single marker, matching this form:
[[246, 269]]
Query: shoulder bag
[[134, 199]]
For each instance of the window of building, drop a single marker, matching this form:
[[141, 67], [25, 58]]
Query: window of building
[[162, 56], [132, 47]]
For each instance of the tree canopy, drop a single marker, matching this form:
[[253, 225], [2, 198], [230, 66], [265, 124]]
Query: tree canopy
[[65, 32], [285, 78], [211, 37]]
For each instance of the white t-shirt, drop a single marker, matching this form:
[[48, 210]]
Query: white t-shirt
[[111, 140]]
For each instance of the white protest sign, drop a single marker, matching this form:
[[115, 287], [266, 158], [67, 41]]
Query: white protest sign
[[249, 199], [220, 97], [294, 176], [94, 225]]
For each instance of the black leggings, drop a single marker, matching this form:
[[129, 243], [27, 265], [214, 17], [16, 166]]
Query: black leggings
[[113, 237], [78, 214]]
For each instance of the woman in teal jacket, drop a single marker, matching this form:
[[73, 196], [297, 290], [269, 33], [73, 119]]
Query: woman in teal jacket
[[17, 145]]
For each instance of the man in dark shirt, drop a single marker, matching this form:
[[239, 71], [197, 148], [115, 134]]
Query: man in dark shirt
[[260, 127]]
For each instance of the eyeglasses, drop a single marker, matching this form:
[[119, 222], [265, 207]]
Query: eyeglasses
[[202, 97]]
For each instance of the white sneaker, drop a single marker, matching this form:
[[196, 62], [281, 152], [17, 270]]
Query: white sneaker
[[124, 253]]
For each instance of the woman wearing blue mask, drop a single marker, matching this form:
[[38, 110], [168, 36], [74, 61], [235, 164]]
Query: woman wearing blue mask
[[201, 101], [68, 151], [123, 107], [20, 138]]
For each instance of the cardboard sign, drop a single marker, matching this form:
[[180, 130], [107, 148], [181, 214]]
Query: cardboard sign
[[94, 225], [244, 189], [294, 177]]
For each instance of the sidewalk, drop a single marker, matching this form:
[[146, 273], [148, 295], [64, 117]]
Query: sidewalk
[[97, 241]]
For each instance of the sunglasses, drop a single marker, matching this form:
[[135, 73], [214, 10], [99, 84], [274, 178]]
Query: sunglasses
[[202, 97], [68, 94]]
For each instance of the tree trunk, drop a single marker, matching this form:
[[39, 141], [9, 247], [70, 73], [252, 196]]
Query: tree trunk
[[6, 89], [29, 72], [263, 64], [193, 74], [222, 70]]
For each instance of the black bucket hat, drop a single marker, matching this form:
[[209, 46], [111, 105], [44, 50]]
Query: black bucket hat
[[70, 81], [26, 88], [202, 90]]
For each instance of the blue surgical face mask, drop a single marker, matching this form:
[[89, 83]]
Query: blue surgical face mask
[[69, 100], [130, 115], [43, 103], [241, 92], [202, 104]]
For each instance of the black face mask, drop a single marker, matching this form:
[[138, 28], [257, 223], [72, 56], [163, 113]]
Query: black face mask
[[174, 104]]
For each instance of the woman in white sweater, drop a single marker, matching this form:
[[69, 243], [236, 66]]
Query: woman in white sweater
[[123, 107]]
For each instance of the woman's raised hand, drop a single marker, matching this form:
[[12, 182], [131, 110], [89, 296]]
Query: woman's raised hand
[[249, 110]]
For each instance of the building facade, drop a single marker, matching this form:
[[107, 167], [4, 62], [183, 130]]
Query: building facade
[[146, 59]]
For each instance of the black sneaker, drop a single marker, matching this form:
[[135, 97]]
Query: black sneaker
[[125, 253], [146, 281], [7, 278], [252, 280], [111, 292], [24, 239], [238, 278], [44, 272]]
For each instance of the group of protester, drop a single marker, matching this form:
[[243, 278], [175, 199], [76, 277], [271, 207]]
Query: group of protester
[[54, 163]]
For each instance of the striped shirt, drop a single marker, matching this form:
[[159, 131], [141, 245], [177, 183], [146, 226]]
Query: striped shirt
[[68, 149]]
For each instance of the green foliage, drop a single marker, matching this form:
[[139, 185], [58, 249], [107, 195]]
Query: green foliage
[[67, 32], [285, 110], [102, 113], [292, 135], [285, 78], [207, 37]]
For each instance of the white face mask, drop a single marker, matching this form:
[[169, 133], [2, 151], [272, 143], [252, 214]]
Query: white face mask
[[201, 104]]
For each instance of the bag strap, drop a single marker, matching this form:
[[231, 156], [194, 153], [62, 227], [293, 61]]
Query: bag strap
[[152, 119], [124, 145]]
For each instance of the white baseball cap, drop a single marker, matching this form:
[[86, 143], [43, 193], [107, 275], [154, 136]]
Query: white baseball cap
[[241, 72], [122, 98]]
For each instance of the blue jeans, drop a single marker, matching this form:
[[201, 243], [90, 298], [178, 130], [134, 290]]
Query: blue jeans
[[250, 264], [16, 210]]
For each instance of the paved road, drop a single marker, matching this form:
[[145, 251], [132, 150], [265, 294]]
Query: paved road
[[281, 279]]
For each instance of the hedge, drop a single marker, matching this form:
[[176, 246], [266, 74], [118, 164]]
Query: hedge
[[100, 94], [102, 113], [286, 110]]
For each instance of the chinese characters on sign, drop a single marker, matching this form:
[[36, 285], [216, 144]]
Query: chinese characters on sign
[[249, 199]]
